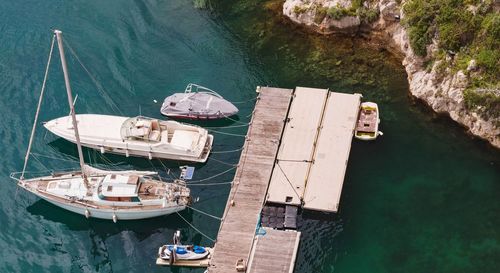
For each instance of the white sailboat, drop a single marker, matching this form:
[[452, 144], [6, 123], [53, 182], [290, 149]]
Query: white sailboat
[[113, 195]]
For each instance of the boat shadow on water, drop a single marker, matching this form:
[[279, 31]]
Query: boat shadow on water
[[62, 146], [76, 222], [207, 123]]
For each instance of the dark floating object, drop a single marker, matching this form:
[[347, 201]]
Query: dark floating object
[[197, 102]]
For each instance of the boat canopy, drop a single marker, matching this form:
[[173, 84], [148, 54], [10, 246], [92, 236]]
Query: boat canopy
[[119, 186]]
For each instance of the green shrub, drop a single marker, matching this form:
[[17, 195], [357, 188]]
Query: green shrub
[[488, 59], [456, 25], [368, 15], [337, 13], [487, 103], [299, 9], [320, 14], [490, 30], [419, 18]]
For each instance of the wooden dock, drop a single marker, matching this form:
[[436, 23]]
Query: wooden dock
[[314, 150], [295, 155], [246, 199]]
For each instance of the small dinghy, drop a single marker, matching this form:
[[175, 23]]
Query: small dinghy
[[368, 121], [183, 252], [197, 102]]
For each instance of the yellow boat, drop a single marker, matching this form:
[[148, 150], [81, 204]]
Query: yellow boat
[[368, 121]]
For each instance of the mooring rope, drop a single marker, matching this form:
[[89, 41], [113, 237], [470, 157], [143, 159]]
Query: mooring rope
[[222, 162], [229, 127], [213, 176], [38, 107], [205, 213], [235, 120], [167, 170], [192, 226], [227, 151], [225, 133], [211, 184], [245, 101]]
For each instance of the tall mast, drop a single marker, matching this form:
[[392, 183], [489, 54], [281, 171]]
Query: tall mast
[[58, 34]]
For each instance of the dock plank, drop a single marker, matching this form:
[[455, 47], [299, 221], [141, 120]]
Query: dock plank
[[237, 230], [274, 252]]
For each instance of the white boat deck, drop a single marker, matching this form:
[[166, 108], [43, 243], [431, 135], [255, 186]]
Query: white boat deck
[[314, 150], [326, 177], [297, 146]]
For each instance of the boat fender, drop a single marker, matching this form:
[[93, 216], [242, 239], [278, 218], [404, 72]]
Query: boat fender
[[126, 153], [150, 156], [87, 213], [115, 219], [102, 149]]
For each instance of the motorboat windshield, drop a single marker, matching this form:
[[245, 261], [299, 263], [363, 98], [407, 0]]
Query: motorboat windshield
[[142, 128]]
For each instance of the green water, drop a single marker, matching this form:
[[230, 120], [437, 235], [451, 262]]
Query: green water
[[422, 198]]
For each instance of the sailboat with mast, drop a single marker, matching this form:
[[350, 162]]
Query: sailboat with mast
[[96, 193]]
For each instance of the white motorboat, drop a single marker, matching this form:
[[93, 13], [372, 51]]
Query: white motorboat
[[113, 195], [197, 102], [368, 121], [182, 252], [137, 136]]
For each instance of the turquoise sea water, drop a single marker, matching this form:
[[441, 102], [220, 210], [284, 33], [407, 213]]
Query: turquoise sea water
[[422, 198]]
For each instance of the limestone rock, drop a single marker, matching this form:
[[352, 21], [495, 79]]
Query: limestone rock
[[442, 91]]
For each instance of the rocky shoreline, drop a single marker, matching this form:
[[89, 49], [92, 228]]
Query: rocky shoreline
[[442, 90]]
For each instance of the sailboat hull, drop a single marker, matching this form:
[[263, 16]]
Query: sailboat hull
[[107, 214]]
